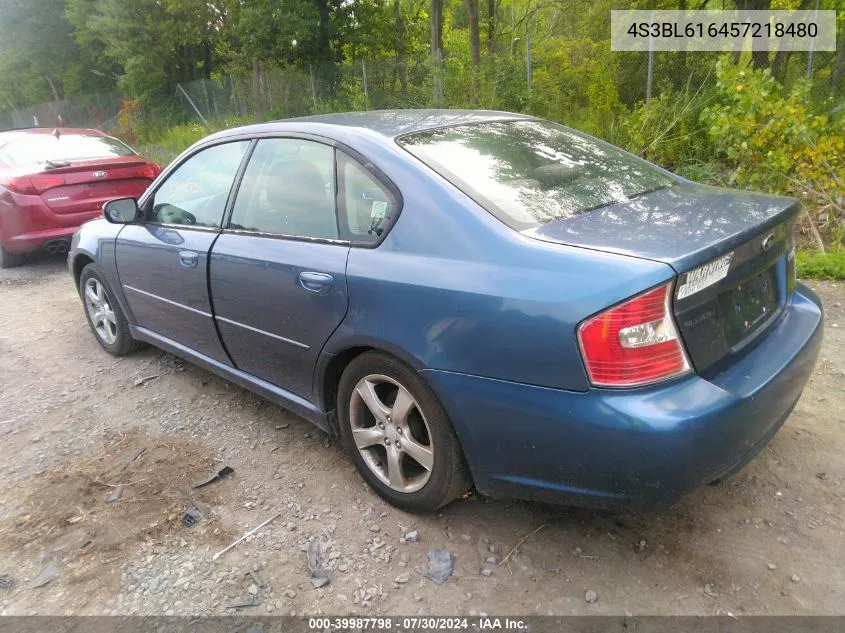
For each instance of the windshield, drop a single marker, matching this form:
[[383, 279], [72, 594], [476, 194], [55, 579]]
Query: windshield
[[38, 149], [529, 173]]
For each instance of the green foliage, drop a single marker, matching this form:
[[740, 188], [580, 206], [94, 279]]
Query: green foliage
[[773, 141], [156, 43], [574, 82], [167, 143], [668, 132], [175, 63], [818, 265], [31, 71]]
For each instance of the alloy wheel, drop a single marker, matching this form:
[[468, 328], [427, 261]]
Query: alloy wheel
[[391, 433], [99, 308]]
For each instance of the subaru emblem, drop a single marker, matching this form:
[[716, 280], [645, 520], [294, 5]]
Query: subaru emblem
[[99, 174]]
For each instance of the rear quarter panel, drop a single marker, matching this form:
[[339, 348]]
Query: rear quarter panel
[[452, 288]]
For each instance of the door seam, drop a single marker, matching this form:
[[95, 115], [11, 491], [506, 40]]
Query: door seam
[[211, 301]]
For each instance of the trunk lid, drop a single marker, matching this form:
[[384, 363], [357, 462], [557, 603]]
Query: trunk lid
[[86, 185], [732, 251]]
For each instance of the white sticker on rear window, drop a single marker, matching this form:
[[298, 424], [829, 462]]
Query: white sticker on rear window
[[705, 276]]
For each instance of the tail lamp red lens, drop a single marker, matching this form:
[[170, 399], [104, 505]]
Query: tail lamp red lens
[[150, 170], [33, 185], [634, 343]]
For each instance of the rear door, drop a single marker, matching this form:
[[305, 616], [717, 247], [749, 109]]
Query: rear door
[[278, 270], [163, 262]]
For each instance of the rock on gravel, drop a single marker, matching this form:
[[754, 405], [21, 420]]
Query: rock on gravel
[[49, 575], [412, 537], [441, 564], [591, 597]]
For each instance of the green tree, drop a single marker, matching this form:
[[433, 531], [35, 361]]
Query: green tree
[[36, 51]]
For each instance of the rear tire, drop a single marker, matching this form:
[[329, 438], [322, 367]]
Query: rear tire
[[104, 314], [9, 260], [398, 435]]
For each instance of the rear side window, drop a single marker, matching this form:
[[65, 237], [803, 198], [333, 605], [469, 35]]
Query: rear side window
[[288, 189], [369, 208], [38, 149], [528, 173]]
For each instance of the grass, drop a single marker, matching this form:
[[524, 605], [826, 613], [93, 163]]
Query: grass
[[164, 144], [818, 265]]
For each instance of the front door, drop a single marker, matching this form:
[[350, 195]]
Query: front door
[[163, 262], [278, 270]]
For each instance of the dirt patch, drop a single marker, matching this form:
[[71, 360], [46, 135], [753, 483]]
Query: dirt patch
[[129, 490]]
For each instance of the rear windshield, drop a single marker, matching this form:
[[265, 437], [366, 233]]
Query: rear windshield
[[37, 149], [528, 173]]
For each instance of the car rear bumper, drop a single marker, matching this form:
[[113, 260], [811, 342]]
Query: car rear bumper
[[639, 448], [36, 240], [27, 225]]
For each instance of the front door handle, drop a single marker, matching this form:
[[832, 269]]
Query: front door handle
[[318, 283], [188, 259]]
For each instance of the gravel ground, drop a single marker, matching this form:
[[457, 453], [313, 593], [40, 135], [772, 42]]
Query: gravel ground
[[79, 426]]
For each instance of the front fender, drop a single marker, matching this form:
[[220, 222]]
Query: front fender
[[94, 243]]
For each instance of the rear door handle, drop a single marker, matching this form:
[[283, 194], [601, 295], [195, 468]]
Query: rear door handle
[[318, 283], [188, 259]]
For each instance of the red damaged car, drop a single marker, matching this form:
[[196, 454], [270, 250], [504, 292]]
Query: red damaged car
[[53, 180]]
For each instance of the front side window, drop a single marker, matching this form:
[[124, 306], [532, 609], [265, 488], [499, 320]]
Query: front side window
[[529, 173], [195, 193], [369, 207], [288, 188]]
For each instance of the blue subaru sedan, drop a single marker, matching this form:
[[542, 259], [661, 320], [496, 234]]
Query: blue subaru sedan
[[469, 299]]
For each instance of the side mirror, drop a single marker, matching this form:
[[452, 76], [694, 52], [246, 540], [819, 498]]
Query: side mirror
[[121, 211]]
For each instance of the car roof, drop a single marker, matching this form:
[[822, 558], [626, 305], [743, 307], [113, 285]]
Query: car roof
[[385, 123], [394, 123]]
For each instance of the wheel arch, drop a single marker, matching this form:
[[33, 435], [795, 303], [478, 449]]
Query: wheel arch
[[333, 368], [331, 365], [80, 261]]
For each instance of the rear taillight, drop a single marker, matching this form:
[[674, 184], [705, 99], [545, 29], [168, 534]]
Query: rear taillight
[[634, 343], [33, 185], [150, 170]]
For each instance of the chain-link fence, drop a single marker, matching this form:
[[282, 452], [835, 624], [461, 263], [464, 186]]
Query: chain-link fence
[[92, 111], [568, 88]]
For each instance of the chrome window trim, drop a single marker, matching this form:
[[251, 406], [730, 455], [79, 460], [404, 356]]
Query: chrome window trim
[[189, 227], [265, 333], [168, 301], [284, 236]]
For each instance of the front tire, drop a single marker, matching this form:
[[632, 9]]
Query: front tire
[[398, 434], [104, 314]]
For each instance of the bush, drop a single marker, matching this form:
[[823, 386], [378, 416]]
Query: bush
[[573, 82], [818, 265], [773, 141], [668, 132], [164, 144]]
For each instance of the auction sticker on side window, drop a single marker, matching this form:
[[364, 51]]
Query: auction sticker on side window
[[704, 276], [379, 210]]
